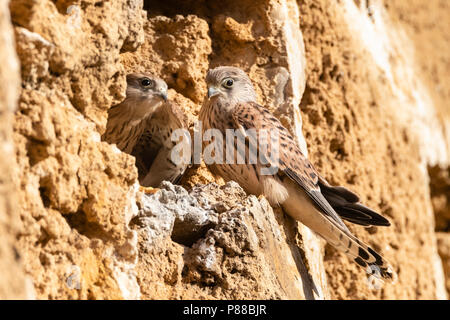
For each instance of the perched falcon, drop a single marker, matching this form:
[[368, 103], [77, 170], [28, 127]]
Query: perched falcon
[[295, 185], [142, 126]]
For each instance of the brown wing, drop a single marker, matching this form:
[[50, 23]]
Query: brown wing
[[156, 137], [298, 168], [176, 114]]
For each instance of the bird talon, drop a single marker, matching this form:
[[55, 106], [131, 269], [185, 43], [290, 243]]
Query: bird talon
[[148, 190]]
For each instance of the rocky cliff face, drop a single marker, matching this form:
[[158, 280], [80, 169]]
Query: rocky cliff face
[[352, 80]]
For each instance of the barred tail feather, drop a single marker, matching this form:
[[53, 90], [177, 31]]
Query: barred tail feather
[[362, 254], [300, 206]]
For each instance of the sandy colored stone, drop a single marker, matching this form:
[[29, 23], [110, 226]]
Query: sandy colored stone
[[13, 282], [356, 140], [425, 24], [444, 252], [182, 61], [216, 243], [85, 47], [77, 192], [85, 233]]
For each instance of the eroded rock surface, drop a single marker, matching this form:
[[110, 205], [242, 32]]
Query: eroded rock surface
[[372, 114], [216, 242], [13, 282], [77, 192]]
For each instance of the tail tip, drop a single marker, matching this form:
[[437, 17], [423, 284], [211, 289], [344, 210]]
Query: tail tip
[[382, 272]]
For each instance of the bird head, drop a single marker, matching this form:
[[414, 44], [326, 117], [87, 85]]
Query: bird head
[[145, 94], [231, 84], [144, 86]]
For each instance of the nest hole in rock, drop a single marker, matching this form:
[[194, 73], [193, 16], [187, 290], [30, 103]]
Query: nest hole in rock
[[186, 235]]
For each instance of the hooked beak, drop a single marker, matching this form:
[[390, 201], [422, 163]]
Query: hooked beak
[[212, 91], [163, 95]]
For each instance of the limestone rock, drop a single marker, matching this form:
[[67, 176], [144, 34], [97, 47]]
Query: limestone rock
[[363, 88], [444, 251], [217, 242], [13, 282]]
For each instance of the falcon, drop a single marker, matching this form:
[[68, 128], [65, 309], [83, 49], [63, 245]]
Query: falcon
[[296, 185], [142, 125]]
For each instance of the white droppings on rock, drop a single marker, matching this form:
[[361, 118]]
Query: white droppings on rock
[[34, 37], [125, 275]]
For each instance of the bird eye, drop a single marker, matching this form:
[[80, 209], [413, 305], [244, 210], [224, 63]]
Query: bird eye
[[146, 82], [228, 83]]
